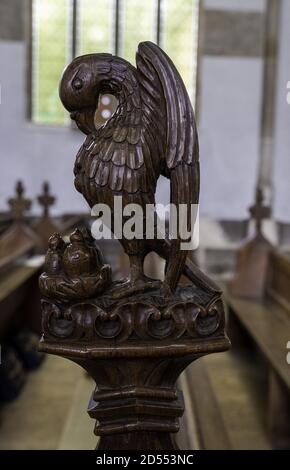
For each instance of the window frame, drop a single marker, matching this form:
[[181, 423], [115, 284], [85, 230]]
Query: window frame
[[117, 42]]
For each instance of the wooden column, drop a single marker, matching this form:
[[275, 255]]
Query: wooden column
[[135, 336], [134, 348], [135, 362]]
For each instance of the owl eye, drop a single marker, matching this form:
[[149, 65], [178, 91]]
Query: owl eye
[[77, 84]]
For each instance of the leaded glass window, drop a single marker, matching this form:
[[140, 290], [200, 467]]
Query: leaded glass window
[[64, 28]]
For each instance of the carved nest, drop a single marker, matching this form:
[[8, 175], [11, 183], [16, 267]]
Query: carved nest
[[64, 288]]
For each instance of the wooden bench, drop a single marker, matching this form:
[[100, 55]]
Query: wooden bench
[[19, 268], [5, 221], [19, 294], [266, 323], [16, 242], [202, 426]]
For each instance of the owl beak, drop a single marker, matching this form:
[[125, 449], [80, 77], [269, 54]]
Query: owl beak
[[85, 120]]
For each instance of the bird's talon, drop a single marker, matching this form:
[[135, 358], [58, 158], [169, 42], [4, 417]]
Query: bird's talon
[[166, 291]]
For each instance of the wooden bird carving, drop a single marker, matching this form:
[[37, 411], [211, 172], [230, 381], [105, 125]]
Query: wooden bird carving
[[151, 133]]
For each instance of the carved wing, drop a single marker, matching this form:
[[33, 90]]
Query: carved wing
[[165, 100], [119, 154]]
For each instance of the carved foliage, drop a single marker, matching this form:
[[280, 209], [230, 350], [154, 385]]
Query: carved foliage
[[136, 319]]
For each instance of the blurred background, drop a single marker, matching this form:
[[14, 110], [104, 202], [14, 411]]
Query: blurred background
[[233, 56]]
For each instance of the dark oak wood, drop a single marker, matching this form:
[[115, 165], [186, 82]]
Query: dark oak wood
[[19, 298], [279, 411], [134, 349], [19, 205], [212, 433], [19, 239], [5, 221], [278, 280], [133, 336], [138, 143], [46, 200], [267, 322], [253, 257], [268, 325], [259, 211], [16, 242]]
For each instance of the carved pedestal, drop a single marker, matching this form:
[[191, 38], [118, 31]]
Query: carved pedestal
[[135, 349], [133, 338]]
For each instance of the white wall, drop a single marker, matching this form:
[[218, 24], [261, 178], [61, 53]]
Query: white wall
[[229, 135], [281, 178], [32, 152], [230, 114], [235, 5], [230, 123], [229, 126]]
